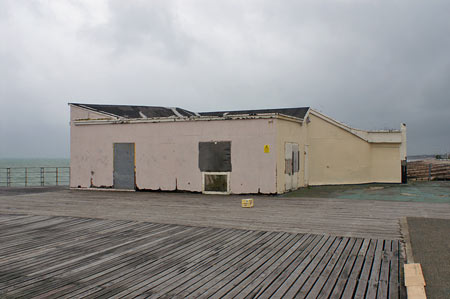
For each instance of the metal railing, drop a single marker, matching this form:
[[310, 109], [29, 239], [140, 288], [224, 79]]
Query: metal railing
[[34, 176]]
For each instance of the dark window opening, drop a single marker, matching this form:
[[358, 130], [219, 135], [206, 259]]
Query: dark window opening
[[214, 156], [216, 182]]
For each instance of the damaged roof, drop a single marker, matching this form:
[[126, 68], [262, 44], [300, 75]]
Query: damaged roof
[[295, 112], [129, 111]]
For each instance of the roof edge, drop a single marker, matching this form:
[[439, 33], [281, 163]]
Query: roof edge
[[185, 118], [369, 136], [83, 106]]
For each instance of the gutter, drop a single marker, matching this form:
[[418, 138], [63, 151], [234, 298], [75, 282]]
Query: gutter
[[81, 122]]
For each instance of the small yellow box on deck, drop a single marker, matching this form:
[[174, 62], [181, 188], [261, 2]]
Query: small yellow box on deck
[[247, 203]]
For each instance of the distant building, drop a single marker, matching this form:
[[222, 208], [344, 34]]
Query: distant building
[[251, 151]]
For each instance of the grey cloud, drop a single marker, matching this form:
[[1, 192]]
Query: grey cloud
[[370, 64], [148, 28]]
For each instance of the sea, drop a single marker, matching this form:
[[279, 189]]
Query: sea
[[34, 172]]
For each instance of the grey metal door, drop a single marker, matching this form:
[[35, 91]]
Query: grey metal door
[[124, 166]]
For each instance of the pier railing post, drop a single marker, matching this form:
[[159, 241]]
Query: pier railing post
[[34, 176], [8, 177], [42, 176]]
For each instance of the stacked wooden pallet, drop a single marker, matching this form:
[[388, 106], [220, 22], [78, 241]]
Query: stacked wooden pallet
[[428, 171]]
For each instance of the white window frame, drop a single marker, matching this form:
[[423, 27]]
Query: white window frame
[[216, 173]]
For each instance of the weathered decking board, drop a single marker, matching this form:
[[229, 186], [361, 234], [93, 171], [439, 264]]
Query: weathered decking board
[[375, 219], [69, 257]]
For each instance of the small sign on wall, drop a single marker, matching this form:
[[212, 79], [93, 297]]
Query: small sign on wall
[[266, 149]]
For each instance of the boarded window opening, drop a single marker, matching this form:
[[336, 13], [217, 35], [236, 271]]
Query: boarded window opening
[[296, 158], [288, 166], [292, 159], [216, 182], [214, 156]]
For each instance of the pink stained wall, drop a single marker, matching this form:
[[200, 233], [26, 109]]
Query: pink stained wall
[[167, 153]]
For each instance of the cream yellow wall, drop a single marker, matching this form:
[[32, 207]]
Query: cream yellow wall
[[338, 157], [289, 131], [386, 163], [80, 113]]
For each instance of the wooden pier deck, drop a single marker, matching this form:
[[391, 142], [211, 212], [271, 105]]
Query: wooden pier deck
[[374, 219], [67, 257]]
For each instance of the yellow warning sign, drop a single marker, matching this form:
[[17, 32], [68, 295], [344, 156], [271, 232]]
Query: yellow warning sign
[[266, 149]]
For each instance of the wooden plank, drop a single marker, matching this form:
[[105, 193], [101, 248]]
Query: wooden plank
[[156, 286], [277, 277], [31, 226], [9, 219], [166, 270], [294, 262], [19, 242], [293, 276], [92, 288], [59, 267], [203, 275], [105, 243], [45, 256], [169, 257], [252, 270], [343, 217], [416, 292], [352, 281], [203, 262], [168, 244], [363, 279], [16, 265], [23, 221], [305, 281], [331, 282], [115, 243], [372, 286], [394, 279], [69, 257], [265, 278], [234, 269], [414, 275], [325, 274], [127, 279], [41, 252], [347, 269], [55, 235], [386, 258], [46, 278]]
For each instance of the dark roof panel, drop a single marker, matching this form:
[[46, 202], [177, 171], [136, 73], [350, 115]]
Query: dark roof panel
[[295, 112], [128, 111]]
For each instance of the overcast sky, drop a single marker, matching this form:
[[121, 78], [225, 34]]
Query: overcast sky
[[369, 64]]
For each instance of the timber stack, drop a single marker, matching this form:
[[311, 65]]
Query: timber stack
[[429, 170]]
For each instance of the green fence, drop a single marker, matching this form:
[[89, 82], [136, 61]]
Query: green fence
[[34, 176]]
